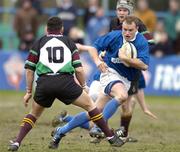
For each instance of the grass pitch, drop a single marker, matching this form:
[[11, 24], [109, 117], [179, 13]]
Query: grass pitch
[[162, 135]]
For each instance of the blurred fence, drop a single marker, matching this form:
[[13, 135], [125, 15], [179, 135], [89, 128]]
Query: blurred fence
[[163, 77]]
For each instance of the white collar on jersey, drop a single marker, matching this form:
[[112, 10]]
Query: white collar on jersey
[[131, 39], [56, 35]]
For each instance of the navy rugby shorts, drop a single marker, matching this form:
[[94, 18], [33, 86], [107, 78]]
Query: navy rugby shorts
[[142, 83]]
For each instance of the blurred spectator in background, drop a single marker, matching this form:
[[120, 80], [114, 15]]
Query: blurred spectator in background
[[163, 46], [90, 10], [97, 26], [67, 11], [77, 35], [171, 20], [177, 45], [37, 5], [26, 25], [147, 15]]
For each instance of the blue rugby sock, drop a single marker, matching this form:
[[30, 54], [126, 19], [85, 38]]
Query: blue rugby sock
[[77, 120], [85, 125], [110, 108], [68, 118]]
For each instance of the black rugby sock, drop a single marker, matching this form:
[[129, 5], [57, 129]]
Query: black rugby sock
[[97, 117], [125, 122]]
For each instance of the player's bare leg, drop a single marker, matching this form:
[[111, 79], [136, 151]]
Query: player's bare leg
[[26, 125]]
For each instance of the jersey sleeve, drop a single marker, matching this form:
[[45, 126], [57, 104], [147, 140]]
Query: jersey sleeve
[[143, 51], [33, 57], [103, 42], [76, 62]]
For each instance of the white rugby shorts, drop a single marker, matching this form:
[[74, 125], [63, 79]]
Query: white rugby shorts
[[95, 89], [112, 75]]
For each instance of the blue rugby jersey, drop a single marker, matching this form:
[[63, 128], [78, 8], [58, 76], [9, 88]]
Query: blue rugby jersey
[[112, 41]]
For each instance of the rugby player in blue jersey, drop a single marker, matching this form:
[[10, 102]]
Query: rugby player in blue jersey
[[123, 8]]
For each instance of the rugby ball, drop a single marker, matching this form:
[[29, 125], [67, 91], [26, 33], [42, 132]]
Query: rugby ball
[[129, 50]]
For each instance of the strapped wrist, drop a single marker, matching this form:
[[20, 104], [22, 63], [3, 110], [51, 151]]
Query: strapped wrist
[[98, 63]]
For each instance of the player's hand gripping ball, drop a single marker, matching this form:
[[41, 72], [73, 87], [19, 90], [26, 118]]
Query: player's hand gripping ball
[[128, 50]]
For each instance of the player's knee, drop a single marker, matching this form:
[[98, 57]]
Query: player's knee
[[122, 97], [126, 113]]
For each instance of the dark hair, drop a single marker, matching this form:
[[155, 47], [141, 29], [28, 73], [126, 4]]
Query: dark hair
[[54, 24]]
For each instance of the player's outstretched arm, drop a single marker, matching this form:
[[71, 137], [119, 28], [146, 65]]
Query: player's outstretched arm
[[87, 48], [83, 48], [94, 54], [29, 85], [141, 100], [149, 113]]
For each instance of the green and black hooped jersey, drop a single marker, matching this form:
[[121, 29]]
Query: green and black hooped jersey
[[53, 54]]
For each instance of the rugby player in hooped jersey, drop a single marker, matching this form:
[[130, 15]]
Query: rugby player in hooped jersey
[[55, 59]]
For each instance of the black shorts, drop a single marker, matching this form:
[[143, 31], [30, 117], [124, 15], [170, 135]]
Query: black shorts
[[62, 87], [133, 88]]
